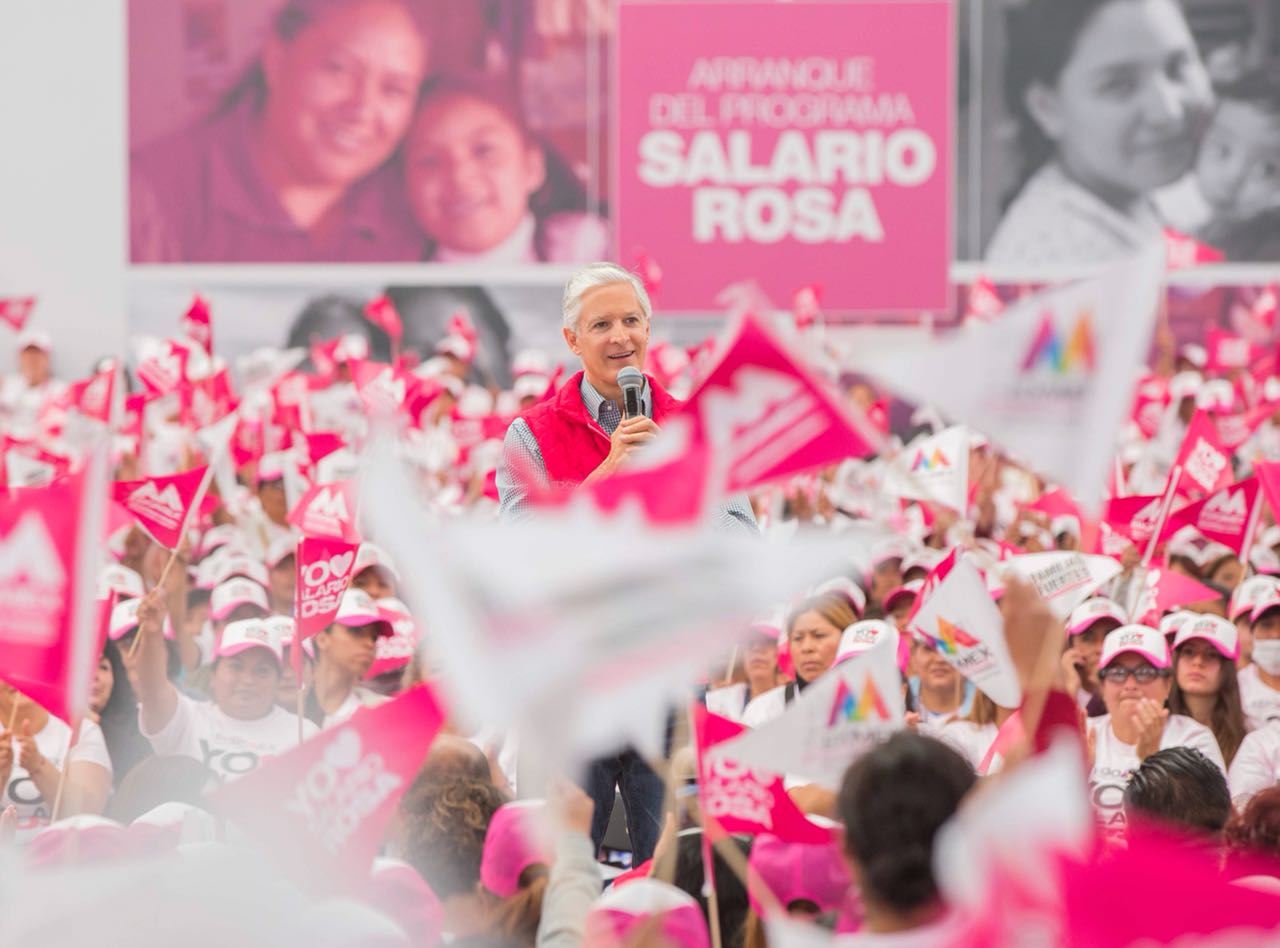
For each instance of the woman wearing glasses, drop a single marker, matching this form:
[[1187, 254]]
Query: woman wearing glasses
[[1135, 672]]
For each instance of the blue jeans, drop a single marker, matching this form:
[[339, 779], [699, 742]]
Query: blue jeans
[[642, 792]]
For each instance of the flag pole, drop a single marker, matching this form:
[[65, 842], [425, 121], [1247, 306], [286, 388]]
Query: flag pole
[[62, 777], [13, 712], [1166, 507]]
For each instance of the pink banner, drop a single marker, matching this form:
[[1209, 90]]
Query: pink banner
[[787, 143]]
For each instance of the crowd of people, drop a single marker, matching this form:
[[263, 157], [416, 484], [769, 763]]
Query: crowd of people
[[201, 680]]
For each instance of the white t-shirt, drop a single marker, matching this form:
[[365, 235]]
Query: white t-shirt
[[764, 709], [356, 699], [973, 741], [1261, 702], [1256, 765], [728, 702], [52, 740], [1115, 761], [228, 746]]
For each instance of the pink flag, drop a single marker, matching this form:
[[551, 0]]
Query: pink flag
[[93, 396], [1183, 251], [164, 369], [1268, 475], [16, 310], [766, 416], [806, 305], [1235, 429], [1204, 462], [382, 389], [982, 302], [1149, 405], [1226, 351], [50, 628], [327, 510], [1226, 516], [321, 444], [1134, 517], [162, 505], [382, 313], [1167, 589], [321, 810], [740, 799], [197, 323], [324, 567]]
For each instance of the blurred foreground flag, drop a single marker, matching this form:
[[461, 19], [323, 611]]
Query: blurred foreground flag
[[1051, 380]]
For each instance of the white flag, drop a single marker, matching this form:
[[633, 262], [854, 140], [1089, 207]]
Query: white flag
[[1051, 380], [964, 625], [599, 624], [839, 717], [1064, 579], [935, 467]]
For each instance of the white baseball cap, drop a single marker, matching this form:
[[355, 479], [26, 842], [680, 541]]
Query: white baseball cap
[[124, 618], [119, 579], [1263, 559], [281, 547], [216, 537], [369, 556], [1215, 630], [911, 589], [1170, 624], [1249, 593], [358, 609], [236, 592], [1268, 602], [246, 634], [846, 588], [283, 628], [1139, 639], [34, 339], [1094, 610], [861, 636], [1185, 385], [239, 564]]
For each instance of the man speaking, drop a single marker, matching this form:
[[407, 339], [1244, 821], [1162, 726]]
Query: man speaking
[[585, 432]]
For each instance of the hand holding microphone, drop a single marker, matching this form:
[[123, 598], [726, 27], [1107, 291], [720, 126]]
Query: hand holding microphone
[[636, 428]]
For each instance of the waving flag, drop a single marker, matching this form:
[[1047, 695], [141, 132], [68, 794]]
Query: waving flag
[[745, 799], [325, 567], [1051, 380], [836, 719], [162, 366], [1183, 252], [50, 554], [321, 810], [959, 619], [197, 323], [1227, 516], [162, 505], [327, 510], [382, 313], [935, 468], [16, 310], [1064, 579], [1203, 464]]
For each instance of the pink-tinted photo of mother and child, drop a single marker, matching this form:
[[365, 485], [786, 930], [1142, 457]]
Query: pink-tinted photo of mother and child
[[341, 143]]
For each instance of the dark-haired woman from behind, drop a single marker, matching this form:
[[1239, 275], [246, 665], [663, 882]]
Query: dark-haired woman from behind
[[893, 800], [114, 706]]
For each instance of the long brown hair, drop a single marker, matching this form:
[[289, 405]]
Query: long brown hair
[[1226, 721], [517, 917]]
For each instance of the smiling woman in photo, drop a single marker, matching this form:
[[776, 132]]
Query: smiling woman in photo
[[292, 165], [1111, 99]]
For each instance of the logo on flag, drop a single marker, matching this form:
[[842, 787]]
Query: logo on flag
[[1075, 356], [848, 707], [326, 510], [951, 638], [324, 572], [1224, 512], [163, 506], [32, 582], [933, 461]]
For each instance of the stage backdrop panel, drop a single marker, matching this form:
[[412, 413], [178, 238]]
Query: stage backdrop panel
[[791, 144]]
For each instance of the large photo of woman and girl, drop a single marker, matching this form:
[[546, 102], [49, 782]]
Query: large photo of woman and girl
[[365, 131], [1106, 122]]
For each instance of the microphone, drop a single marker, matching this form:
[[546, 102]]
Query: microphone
[[631, 382]]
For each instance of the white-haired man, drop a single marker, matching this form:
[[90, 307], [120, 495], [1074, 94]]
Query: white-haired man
[[579, 436]]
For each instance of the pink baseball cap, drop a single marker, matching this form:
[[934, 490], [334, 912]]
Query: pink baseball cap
[[794, 872], [358, 609], [1139, 639], [237, 592], [369, 556], [1249, 593], [1094, 610], [863, 635], [906, 590], [848, 589], [617, 914], [246, 634], [512, 845], [1215, 630], [394, 651]]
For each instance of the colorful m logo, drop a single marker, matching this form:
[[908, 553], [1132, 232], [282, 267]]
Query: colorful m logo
[[1049, 350], [848, 707], [951, 638], [934, 461]]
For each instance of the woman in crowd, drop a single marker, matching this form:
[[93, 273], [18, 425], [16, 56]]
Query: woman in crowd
[[1260, 680], [292, 165], [1135, 672], [35, 747], [242, 725], [755, 674], [485, 190], [344, 655], [813, 635], [1111, 100], [936, 691], [974, 734], [1204, 684], [114, 707], [893, 800], [1087, 626]]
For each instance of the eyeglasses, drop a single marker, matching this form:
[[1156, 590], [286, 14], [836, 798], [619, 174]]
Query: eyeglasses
[[1143, 674]]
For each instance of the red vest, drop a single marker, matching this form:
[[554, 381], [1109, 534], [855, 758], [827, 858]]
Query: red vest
[[572, 443]]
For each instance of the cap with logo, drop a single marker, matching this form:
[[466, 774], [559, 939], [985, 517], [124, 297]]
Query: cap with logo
[[241, 636], [1249, 593], [847, 589], [1140, 640], [358, 609], [369, 556], [237, 592], [1170, 624], [864, 635], [119, 579], [1094, 610], [280, 548], [1215, 630]]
